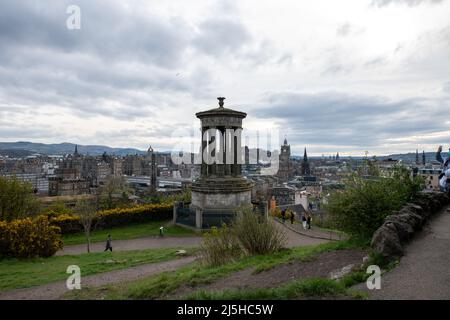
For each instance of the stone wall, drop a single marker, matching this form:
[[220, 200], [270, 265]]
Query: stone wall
[[399, 227]]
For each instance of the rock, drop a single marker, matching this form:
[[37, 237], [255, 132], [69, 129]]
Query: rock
[[180, 253], [416, 221], [366, 259], [340, 273], [387, 242], [425, 206], [404, 230]]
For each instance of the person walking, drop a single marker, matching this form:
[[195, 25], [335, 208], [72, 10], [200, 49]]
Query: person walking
[[304, 221], [292, 217], [308, 220], [283, 215], [108, 243]]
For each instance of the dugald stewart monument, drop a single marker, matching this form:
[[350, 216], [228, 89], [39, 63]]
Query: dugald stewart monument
[[221, 189]]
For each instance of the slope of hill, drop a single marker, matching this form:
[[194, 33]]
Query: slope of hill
[[64, 148]]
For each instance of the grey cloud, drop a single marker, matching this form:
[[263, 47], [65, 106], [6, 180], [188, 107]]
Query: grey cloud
[[332, 118], [410, 3], [106, 29], [220, 36]]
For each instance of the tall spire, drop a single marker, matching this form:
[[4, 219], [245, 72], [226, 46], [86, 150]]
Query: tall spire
[[76, 150], [305, 156], [424, 160]]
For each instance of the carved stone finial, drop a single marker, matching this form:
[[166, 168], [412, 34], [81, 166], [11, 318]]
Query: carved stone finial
[[221, 101]]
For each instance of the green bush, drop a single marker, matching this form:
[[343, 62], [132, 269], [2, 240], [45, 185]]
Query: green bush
[[24, 238], [249, 234], [219, 246], [256, 234], [363, 205], [17, 199]]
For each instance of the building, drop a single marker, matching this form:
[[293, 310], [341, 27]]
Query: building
[[431, 176], [285, 165], [221, 189], [285, 195], [306, 169], [67, 182]]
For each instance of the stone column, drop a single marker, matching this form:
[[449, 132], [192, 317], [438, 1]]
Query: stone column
[[204, 169]]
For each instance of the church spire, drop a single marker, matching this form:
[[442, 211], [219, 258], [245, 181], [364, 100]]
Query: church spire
[[305, 156], [76, 150]]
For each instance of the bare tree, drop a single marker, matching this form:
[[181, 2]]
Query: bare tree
[[86, 210]]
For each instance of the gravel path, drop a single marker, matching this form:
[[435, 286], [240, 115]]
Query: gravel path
[[424, 271], [58, 289], [294, 240], [134, 244]]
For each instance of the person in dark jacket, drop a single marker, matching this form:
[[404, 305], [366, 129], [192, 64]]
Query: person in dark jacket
[[292, 217], [304, 221], [283, 215], [308, 220], [108, 243]]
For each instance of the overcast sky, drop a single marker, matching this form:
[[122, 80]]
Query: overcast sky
[[334, 76]]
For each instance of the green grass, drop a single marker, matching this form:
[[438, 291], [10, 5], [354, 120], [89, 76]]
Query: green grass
[[301, 288], [20, 273], [164, 284], [130, 232]]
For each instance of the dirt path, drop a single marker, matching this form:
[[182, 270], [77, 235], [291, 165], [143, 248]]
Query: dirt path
[[320, 267], [58, 289], [135, 244], [424, 271], [294, 240]]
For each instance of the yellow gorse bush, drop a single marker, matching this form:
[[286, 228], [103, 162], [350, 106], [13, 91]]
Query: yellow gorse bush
[[116, 217], [29, 238], [277, 213]]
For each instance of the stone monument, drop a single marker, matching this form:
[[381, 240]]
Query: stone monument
[[221, 189]]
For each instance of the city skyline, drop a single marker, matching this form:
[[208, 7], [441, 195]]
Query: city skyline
[[348, 78]]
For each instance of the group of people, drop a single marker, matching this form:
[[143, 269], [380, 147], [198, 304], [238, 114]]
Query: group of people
[[444, 177], [306, 218]]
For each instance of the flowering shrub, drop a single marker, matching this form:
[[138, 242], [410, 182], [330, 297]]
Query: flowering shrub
[[277, 213], [29, 238], [116, 217]]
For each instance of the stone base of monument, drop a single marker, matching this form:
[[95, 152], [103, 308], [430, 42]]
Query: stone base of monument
[[214, 209]]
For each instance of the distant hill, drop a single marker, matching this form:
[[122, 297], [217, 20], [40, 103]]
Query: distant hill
[[14, 149], [15, 153], [411, 157]]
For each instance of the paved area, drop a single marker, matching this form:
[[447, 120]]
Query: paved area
[[295, 239], [56, 290], [314, 232], [424, 271], [135, 244]]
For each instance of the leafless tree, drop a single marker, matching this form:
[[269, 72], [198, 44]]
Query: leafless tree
[[86, 211]]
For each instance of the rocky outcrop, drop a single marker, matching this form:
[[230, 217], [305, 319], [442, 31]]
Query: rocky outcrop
[[399, 227]]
